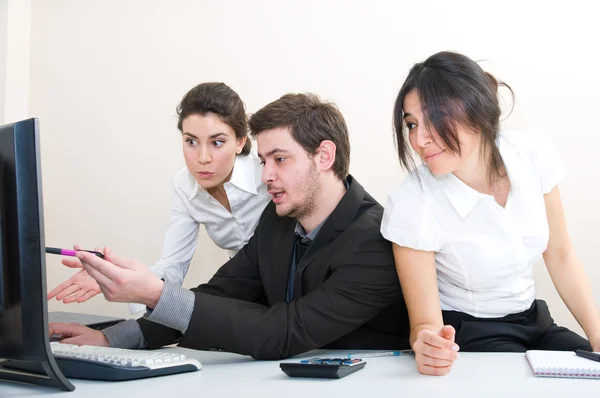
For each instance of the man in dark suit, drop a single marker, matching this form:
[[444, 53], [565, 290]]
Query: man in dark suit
[[317, 273]]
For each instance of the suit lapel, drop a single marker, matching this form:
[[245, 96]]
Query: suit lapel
[[338, 221], [283, 245]]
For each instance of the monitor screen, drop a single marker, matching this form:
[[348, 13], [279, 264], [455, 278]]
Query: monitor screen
[[22, 268], [23, 307]]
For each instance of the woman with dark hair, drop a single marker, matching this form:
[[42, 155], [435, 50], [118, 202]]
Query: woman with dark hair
[[469, 223], [220, 187]]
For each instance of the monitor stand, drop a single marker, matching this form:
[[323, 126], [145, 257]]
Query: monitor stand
[[42, 373]]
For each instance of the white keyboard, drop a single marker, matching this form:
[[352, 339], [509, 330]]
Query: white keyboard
[[102, 363]]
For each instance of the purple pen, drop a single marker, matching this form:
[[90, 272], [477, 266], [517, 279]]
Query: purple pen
[[72, 253]]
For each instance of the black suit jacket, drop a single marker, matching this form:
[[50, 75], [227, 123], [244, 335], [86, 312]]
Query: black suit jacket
[[347, 293]]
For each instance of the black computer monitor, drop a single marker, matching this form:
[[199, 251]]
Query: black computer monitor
[[23, 308]]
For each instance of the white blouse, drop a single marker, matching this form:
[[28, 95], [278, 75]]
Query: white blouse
[[192, 206], [484, 253]]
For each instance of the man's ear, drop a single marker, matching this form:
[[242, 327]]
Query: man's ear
[[325, 156]]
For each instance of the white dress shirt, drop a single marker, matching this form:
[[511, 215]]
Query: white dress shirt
[[484, 253], [192, 206]]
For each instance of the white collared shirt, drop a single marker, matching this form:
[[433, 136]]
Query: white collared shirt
[[193, 206], [484, 253]]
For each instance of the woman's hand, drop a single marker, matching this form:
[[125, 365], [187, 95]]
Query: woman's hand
[[79, 288], [435, 351]]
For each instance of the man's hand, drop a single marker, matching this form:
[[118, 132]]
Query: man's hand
[[122, 279], [73, 333]]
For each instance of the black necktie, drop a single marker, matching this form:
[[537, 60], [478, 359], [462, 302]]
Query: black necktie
[[299, 250]]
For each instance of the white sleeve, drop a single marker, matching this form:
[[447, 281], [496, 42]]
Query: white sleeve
[[179, 245], [549, 162], [408, 222]]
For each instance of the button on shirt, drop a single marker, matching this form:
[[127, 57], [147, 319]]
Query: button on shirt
[[484, 253], [193, 206]]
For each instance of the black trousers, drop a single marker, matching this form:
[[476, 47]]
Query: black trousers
[[533, 329]]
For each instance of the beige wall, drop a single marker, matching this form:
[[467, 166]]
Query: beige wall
[[3, 43], [106, 76], [15, 44]]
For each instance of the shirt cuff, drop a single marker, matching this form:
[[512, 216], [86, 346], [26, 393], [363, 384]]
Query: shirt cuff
[[126, 334], [174, 308]]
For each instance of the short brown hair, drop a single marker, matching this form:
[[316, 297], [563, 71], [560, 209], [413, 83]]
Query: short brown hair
[[218, 99], [311, 121]]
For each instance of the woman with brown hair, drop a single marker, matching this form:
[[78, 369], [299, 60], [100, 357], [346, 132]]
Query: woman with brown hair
[[220, 187]]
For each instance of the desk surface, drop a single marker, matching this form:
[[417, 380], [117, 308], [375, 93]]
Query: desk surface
[[223, 374]]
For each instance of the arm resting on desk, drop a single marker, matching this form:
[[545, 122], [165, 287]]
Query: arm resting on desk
[[355, 293], [239, 278], [174, 310]]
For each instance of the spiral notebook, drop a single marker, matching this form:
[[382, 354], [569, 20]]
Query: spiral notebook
[[562, 364]]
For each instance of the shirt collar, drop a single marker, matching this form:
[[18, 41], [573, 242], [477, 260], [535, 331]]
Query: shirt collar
[[242, 176], [301, 232], [464, 198]]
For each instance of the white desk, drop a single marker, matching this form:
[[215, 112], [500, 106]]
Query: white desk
[[231, 375]]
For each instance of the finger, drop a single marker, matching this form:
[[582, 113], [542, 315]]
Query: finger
[[422, 348], [434, 370], [438, 353], [434, 339], [88, 337], [109, 255], [81, 339], [435, 361], [59, 288], [102, 279], [74, 298], [121, 261], [51, 331], [76, 247], [77, 340], [65, 329], [87, 296], [110, 270], [447, 332], [68, 291], [100, 250], [72, 262]]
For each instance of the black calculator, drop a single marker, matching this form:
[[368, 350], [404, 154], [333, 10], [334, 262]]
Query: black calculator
[[324, 368]]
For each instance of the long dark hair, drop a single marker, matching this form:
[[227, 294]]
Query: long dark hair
[[454, 91]]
